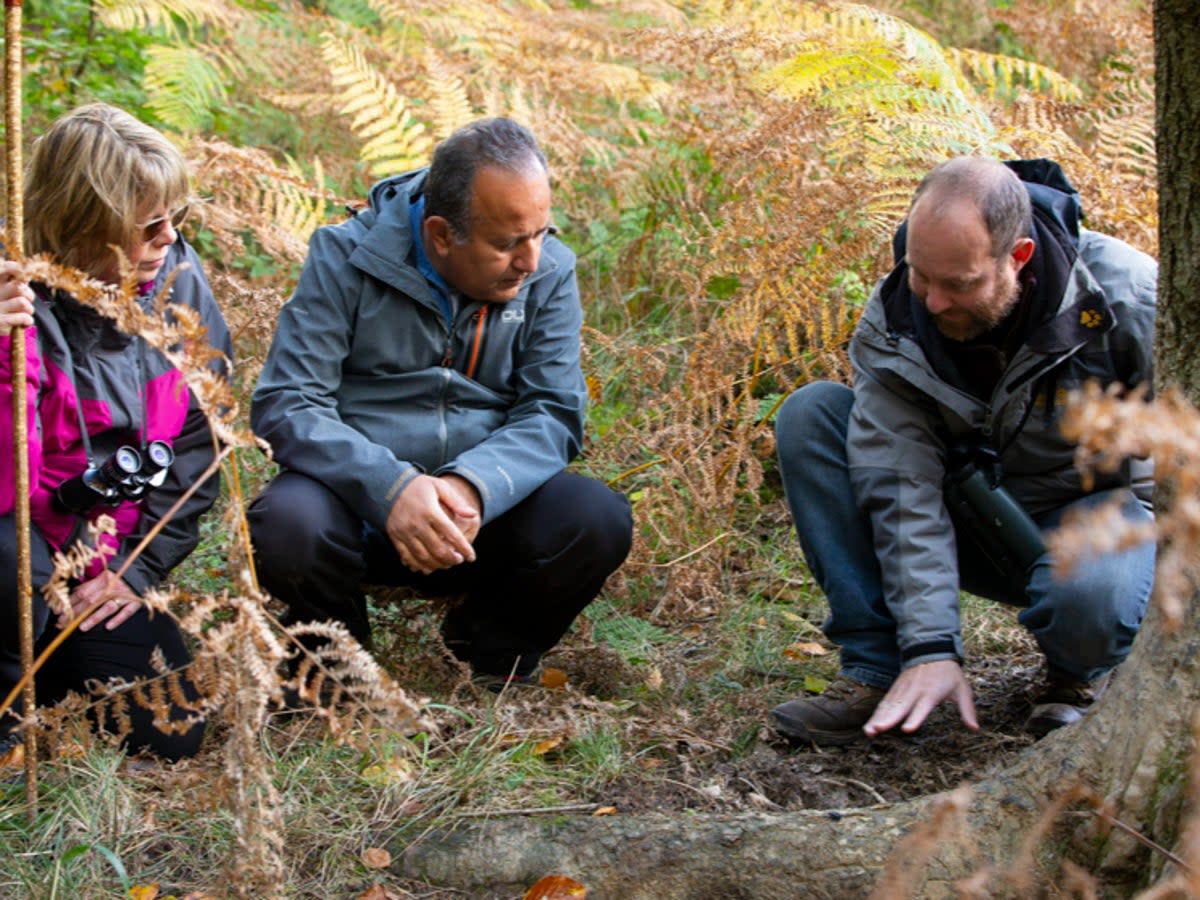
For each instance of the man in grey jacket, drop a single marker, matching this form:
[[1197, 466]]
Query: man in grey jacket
[[999, 304], [423, 395]]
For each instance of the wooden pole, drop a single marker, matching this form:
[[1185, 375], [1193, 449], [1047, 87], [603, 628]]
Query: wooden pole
[[16, 240]]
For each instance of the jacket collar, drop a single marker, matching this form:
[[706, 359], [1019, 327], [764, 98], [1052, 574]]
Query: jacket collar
[[1068, 308]]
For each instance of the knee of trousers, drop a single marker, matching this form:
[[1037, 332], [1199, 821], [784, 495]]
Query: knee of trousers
[[299, 527], [603, 526], [589, 537], [813, 415], [1087, 626]]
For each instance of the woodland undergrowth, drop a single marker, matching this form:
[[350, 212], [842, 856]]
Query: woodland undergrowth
[[729, 173]]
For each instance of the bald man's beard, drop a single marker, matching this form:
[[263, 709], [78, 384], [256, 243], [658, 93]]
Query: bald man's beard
[[985, 316]]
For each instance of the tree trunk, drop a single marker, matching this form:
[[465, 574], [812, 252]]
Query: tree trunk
[[1131, 750], [1177, 112]]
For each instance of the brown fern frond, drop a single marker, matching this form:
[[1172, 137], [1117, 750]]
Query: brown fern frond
[[1109, 429], [249, 191]]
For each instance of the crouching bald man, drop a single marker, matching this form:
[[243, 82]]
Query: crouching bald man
[[423, 395], [999, 305]]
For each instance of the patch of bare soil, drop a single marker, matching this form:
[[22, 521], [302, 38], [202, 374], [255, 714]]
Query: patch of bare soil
[[772, 774], [723, 756]]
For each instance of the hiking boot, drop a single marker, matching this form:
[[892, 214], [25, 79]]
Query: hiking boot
[[1063, 700], [834, 717]]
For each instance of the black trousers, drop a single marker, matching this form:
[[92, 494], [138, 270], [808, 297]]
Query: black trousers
[[98, 654], [536, 567]]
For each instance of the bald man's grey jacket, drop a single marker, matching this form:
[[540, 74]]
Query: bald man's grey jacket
[[366, 385], [1099, 300]]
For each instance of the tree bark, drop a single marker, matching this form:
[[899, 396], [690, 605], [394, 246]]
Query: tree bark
[[1177, 113], [1132, 750]]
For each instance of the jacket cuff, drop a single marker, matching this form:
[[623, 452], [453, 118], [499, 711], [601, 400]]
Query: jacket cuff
[[930, 651]]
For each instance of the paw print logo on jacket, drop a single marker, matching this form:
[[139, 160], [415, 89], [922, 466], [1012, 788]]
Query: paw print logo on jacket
[[1090, 318]]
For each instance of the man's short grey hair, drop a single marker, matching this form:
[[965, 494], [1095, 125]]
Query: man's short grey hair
[[497, 142], [997, 192]]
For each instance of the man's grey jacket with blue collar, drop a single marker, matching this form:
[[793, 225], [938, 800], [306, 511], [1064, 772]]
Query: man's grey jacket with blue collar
[[366, 383]]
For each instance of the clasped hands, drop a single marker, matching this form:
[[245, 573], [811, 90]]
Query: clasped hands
[[917, 691], [434, 521]]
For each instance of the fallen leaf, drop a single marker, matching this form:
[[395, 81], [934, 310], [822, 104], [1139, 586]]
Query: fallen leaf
[[556, 887], [804, 649], [376, 858], [143, 892], [604, 811], [815, 684], [378, 892], [553, 678], [544, 747], [654, 680], [411, 808], [393, 770]]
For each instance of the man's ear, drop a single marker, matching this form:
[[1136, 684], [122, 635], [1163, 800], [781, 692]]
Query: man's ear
[[438, 235], [1022, 252]]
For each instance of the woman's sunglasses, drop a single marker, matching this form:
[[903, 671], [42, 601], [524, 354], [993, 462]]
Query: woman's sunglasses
[[151, 229]]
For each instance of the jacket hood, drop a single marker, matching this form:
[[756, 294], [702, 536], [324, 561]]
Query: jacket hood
[[384, 194]]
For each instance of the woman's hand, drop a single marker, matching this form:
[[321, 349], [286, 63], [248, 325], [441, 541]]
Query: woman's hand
[[120, 602], [16, 298]]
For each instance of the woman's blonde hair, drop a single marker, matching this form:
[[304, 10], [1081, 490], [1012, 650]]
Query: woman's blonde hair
[[89, 179]]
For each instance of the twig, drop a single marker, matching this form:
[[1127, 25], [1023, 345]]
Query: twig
[[861, 785], [689, 554], [1108, 819], [20, 423]]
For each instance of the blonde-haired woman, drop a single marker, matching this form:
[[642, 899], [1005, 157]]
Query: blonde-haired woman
[[113, 429]]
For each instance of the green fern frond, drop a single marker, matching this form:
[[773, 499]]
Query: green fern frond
[[394, 140], [182, 84], [818, 69], [127, 15], [1004, 75]]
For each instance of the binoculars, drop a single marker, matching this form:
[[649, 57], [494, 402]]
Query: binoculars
[[998, 523], [125, 475]]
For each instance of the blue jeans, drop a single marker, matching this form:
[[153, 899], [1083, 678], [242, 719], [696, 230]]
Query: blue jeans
[[1084, 624]]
